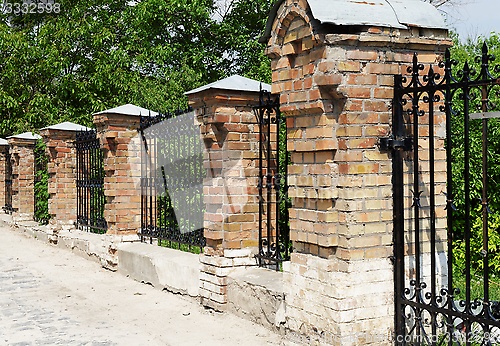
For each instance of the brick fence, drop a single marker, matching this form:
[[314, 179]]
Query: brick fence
[[335, 86]]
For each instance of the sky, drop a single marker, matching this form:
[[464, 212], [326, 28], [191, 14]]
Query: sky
[[473, 18]]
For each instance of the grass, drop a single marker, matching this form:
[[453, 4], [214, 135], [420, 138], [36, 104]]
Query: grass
[[476, 285], [180, 246]]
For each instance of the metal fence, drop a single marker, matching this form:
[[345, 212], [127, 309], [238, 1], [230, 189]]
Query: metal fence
[[41, 194], [274, 238], [90, 183], [8, 183], [172, 174], [445, 286]]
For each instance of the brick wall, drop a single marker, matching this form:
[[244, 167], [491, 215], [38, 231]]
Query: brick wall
[[23, 175], [336, 90], [61, 167], [122, 166], [229, 131]]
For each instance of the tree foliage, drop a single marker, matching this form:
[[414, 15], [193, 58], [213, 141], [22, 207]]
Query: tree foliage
[[98, 54]]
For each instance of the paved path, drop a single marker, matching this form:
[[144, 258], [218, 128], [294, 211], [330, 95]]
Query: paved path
[[50, 296]]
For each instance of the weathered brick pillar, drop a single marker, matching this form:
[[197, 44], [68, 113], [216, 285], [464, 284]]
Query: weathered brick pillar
[[4, 150], [61, 152], [23, 174], [336, 85], [120, 142], [229, 131]]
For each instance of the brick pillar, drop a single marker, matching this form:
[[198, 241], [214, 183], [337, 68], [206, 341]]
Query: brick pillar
[[61, 151], [23, 174], [335, 90], [229, 131], [4, 150], [120, 142]]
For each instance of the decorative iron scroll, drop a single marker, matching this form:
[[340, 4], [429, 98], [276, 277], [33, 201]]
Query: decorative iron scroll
[[430, 308], [274, 231], [90, 183]]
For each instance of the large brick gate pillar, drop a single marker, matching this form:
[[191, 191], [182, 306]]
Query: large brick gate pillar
[[229, 130], [61, 151], [334, 70], [121, 145], [23, 174]]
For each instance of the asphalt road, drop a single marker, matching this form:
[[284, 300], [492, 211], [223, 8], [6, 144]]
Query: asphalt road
[[50, 296]]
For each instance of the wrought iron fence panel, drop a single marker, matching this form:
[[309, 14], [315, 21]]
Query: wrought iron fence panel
[[90, 183], [439, 217], [8, 183], [274, 238], [41, 200], [172, 173]]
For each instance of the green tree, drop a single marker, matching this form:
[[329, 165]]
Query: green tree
[[466, 53], [242, 25], [98, 54]]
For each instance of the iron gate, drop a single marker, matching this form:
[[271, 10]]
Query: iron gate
[[41, 194], [90, 183], [442, 228], [172, 173], [8, 183], [274, 235]]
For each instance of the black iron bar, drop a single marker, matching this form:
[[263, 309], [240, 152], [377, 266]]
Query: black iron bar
[[77, 183], [269, 187], [286, 217], [261, 177], [277, 184], [416, 188], [449, 192], [177, 155], [143, 158], [87, 185], [398, 209], [432, 200], [151, 183], [466, 96], [485, 253], [93, 171]]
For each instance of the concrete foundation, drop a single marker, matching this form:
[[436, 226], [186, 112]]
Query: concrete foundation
[[163, 268], [256, 294]]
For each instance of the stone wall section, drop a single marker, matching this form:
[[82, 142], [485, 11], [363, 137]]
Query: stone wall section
[[336, 91]]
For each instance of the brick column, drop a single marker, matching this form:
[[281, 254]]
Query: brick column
[[229, 131], [336, 90], [120, 142], [60, 142], [23, 174], [4, 150]]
